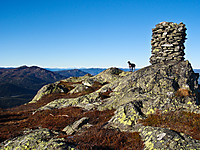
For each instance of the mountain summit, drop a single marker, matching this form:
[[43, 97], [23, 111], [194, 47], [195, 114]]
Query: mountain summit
[[19, 85], [156, 107]]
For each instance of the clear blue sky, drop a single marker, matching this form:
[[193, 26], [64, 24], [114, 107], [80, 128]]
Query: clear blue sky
[[90, 33]]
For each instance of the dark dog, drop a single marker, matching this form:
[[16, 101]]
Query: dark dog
[[131, 66]]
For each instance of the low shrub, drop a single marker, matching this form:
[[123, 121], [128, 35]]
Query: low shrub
[[105, 95], [182, 92], [15, 120], [180, 121], [98, 138]]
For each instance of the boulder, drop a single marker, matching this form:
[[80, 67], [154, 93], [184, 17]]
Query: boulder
[[37, 139], [70, 129], [161, 138], [126, 116], [57, 87]]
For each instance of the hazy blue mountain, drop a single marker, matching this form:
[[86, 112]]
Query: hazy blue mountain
[[71, 73], [95, 71], [92, 71], [58, 69]]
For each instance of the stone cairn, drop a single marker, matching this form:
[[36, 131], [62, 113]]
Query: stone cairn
[[168, 42]]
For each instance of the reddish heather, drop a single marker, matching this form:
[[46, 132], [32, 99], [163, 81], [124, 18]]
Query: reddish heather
[[183, 92], [14, 121], [98, 138], [180, 121]]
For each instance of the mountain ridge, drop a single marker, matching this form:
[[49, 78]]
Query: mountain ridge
[[27, 81], [71, 73]]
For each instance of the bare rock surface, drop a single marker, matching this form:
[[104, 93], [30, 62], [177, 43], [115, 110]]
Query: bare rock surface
[[70, 129], [161, 138], [37, 139]]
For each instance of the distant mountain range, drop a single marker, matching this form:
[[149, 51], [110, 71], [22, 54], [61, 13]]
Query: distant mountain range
[[71, 73], [19, 85], [92, 71], [28, 77]]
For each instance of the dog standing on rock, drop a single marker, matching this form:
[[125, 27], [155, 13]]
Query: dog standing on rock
[[131, 66]]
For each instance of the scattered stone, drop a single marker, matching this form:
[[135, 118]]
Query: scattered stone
[[70, 129], [78, 89], [161, 136]]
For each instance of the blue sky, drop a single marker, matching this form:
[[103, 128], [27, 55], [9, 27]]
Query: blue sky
[[90, 33]]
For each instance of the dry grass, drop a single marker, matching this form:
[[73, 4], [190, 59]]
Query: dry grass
[[180, 121], [182, 92], [14, 121], [67, 84], [96, 137], [105, 95]]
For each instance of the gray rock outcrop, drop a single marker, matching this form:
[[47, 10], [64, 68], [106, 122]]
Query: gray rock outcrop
[[43, 139], [70, 129], [160, 138]]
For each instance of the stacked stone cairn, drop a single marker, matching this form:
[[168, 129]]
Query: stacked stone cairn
[[168, 42]]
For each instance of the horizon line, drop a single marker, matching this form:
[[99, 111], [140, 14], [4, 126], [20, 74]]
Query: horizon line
[[70, 67]]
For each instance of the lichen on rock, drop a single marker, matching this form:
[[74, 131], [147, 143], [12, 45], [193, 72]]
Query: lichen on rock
[[70, 129], [126, 116], [161, 138], [37, 139]]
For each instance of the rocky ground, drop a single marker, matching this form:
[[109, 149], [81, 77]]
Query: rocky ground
[[155, 107]]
